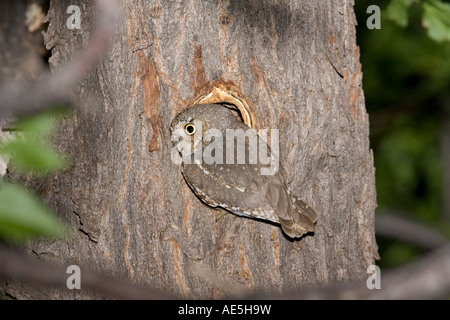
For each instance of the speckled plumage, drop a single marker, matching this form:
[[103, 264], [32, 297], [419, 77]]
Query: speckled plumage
[[238, 188]]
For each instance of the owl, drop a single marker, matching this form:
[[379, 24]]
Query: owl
[[219, 162]]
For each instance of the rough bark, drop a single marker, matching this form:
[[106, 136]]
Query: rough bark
[[296, 63]]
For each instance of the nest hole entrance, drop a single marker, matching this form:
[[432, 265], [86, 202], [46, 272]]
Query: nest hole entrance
[[231, 100], [235, 110]]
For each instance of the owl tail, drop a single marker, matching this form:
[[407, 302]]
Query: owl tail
[[302, 219], [295, 216]]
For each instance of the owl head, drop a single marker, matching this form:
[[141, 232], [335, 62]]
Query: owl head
[[193, 129]]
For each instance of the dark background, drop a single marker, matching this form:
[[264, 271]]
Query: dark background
[[406, 82]]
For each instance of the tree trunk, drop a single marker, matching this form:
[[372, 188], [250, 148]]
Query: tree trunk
[[294, 63]]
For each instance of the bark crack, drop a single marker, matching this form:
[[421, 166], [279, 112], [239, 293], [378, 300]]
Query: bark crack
[[87, 233], [338, 71]]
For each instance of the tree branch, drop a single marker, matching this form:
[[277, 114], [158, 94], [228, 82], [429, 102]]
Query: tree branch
[[30, 271], [426, 278], [392, 225]]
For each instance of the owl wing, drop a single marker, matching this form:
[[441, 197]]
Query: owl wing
[[230, 186]]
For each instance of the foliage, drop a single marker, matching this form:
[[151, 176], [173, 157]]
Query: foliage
[[435, 18], [29, 150], [23, 214], [406, 77], [409, 168]]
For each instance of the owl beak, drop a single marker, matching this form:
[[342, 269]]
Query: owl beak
[[179, 141], [181, 145], [175, 142]]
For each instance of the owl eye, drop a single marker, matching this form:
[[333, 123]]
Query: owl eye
[[190, 129]]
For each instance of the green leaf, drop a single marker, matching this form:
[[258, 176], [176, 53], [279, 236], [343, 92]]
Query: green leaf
[[29, 150], [436, 18], [397, 11], [41, 124], [23, 215], [31, 155]]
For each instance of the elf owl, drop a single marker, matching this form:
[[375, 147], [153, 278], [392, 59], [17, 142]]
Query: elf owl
[[220, 164]]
